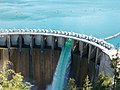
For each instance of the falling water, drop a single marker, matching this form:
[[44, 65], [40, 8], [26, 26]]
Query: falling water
[[61, 72]]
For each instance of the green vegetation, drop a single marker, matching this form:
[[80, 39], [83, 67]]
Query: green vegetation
[[71, 85], [102, 82], [10, 80], [87, 85]]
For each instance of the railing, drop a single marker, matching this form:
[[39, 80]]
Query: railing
[[82, 37], [113, 36]]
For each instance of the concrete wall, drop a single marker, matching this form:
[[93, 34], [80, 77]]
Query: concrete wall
[[88, 60], [80, 67], [38, 64], [105, 65], [43, 62]]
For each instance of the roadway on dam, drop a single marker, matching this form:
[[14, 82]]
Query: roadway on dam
[[7, 34]]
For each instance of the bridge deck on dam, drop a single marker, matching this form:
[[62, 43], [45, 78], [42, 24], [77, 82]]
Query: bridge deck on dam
[[37, 35]]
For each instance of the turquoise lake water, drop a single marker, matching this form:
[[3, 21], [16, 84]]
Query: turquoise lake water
[[99, 18]]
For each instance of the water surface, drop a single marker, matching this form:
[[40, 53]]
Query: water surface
[[99, 18]]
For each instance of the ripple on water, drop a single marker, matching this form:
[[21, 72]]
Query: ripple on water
[[99, 18], [10, 15]]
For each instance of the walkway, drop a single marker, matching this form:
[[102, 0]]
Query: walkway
[[113, 36], [103, 45]]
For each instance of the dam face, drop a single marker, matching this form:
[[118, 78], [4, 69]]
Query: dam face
[[35, 53]]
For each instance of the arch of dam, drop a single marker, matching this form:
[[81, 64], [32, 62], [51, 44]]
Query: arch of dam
[[35, 53]]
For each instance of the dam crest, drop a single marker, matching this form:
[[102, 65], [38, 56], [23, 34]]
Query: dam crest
[[33, 33]]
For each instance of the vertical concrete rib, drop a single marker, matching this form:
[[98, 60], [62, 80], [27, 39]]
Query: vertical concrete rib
[[20, 49], [20, 43], [50, 42], [53, 43], [96, 59], [81, 49], [97, 51], [61, 42], [42, 43], [30, 59], [89, 53], [8, 45], [89, 56]]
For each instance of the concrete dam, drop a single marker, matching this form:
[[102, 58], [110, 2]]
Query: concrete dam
[[36, 52]]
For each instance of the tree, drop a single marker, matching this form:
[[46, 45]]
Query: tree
[[116, 67], [87, 85], [102, 82], [71, 85], [10, 80]]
